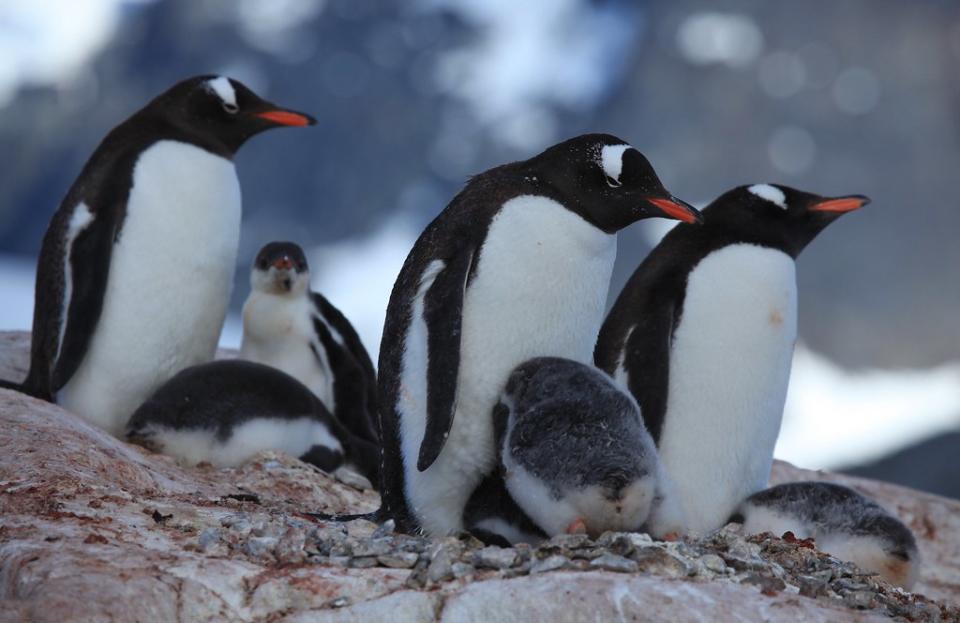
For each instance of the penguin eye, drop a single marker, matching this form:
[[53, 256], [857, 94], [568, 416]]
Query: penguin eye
[[230, 108], [262, 264], [612, 183]]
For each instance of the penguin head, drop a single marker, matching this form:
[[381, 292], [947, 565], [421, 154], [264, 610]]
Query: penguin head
[[222, 111], [608, 182], [777, 214], [280, 268]]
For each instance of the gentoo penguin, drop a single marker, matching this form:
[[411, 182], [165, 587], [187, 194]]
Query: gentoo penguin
[[703, 336], [842, 522], [517, 266], [573, 455], [224, 412], [135, 269], [287, 326]]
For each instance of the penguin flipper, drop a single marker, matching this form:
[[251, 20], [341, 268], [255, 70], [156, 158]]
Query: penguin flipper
[[89, 262], [647, 361], [442, 312]]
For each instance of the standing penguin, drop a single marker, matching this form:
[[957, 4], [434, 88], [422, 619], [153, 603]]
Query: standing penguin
[[287, 326], [517, 266], [573, 455], [703, 334], [135, 269]]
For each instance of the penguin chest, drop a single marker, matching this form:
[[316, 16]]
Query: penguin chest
[[729, 369], [169, 281], [539, 289], [278, 331]]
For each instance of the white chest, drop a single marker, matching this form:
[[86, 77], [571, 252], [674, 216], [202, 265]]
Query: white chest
[[729, 370], [169, 282], [539, 289], [278, 331]]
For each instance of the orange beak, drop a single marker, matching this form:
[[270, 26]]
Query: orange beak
[[841, 204], [676, 209], [286, 117], [283, 263]]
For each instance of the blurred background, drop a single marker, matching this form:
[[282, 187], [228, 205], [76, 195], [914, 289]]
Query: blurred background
[[413, 97]]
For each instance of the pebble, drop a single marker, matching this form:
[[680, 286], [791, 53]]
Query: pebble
[[550, 563], [374, 547], [399, 560], [462, 570], [713, 563], [494, 557], [363, 562], [859, 599], [569, 541], [613, 562], [259, 546], [210, 536]]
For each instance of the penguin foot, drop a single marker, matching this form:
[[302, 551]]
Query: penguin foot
[[577, 527]]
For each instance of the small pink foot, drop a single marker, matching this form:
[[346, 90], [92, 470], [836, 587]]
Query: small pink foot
[[577, 527], [671, 536]]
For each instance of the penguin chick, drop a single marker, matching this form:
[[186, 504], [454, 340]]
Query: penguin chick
[[224, 412], [289, 327], [574, 456], [842, 522]]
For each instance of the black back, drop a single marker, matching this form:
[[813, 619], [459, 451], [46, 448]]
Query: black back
[[834, 507], [568, 425], [188, 112], [652, 300], [222, 395]]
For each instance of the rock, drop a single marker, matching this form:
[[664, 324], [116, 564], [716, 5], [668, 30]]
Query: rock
[[80, 540], [613, 562], [494, 557], [551, 563]]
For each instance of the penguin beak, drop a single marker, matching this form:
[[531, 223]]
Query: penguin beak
[[839, 205], [676, 209], [279, 116], [283, 263]]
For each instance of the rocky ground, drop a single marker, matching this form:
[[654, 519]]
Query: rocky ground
[[94, 529]]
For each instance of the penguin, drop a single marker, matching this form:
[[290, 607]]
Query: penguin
[[703, 334], [224, 412], [289, 327], [135, 268], [573, 456], [842, 522], [516, 266]]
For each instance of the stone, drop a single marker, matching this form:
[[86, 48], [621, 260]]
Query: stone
[[613, 562], [399, 560], [494, 557], [551, 563]]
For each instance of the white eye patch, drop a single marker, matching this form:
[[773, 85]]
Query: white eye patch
[[224, 90], [770, 193], [611, 160]]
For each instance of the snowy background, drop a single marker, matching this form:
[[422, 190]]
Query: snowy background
[[412, 97]]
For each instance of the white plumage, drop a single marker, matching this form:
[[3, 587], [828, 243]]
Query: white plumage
[[729, 370]]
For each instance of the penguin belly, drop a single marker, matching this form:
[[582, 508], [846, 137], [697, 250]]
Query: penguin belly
[[539, 289], [169, 283], [729, 369], [279, 333]]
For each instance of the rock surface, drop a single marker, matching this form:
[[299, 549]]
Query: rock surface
[[94, 529]]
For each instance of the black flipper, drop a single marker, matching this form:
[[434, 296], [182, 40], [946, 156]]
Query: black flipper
[[442, 312], [647, 362], [53, 361]]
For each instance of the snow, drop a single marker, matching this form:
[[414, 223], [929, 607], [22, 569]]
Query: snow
[[48, 42], [834, 417], [530, 56]]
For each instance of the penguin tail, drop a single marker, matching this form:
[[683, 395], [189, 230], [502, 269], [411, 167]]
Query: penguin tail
[[29, 389]]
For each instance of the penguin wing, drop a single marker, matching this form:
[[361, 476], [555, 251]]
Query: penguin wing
[[83, 264], [647, 361], [442, 313]]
